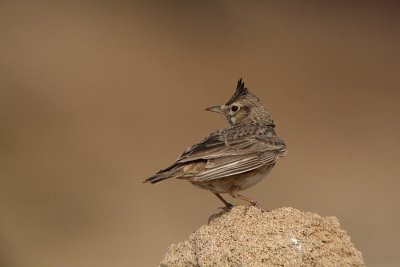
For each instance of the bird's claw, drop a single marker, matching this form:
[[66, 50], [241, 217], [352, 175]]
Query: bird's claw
[[254, 203], [228, 207]]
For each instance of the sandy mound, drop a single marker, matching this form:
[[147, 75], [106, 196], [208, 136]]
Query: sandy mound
[[250, 237]]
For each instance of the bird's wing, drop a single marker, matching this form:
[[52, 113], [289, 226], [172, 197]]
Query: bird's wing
[[226, 157], [232, 165]]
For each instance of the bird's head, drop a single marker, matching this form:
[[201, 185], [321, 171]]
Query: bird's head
[[243, 106]]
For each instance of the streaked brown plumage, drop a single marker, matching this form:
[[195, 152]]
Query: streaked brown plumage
[[235, 158]]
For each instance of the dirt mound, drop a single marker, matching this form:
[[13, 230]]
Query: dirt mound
[[251, 237]]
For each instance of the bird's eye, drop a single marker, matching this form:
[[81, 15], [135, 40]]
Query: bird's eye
[[234, 108]]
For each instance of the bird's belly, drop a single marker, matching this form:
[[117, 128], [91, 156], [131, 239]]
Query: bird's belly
[[221, 185], [251, 178], [236, 182]]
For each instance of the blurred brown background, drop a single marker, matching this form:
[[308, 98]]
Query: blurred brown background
[[95, 97]]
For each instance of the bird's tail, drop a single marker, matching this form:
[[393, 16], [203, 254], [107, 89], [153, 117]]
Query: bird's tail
[[159, 177]]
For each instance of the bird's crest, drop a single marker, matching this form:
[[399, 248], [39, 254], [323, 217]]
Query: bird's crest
[[241, 91]]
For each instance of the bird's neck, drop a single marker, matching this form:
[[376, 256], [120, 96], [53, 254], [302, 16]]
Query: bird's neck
[[259, 115]]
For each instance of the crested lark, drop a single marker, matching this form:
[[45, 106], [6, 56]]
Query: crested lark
[[232, 159]]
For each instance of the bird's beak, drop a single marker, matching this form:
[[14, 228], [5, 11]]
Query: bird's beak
[[217, 109]]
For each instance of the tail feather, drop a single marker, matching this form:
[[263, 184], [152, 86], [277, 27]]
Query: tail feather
[[159, 177]]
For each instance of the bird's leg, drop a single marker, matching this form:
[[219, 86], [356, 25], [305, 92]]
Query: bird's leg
[[235, 194], [251, 201], [228, 205]]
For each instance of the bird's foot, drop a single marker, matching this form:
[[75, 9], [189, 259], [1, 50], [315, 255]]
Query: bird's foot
[[228, 207], [254, 203]]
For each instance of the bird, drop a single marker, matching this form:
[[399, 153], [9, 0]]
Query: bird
[[233, 159]]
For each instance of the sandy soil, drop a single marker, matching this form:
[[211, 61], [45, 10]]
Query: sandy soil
[[251, 237]]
